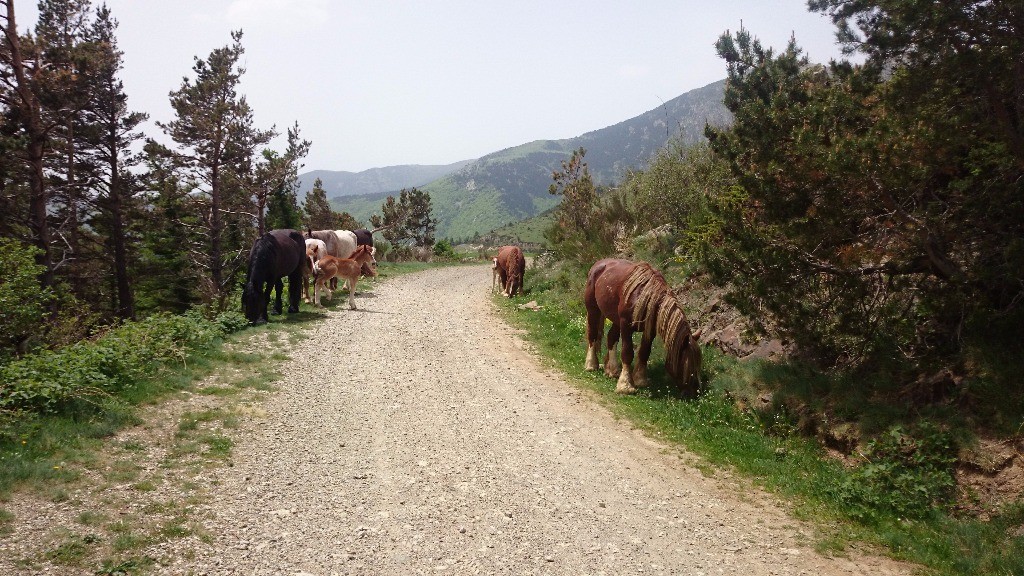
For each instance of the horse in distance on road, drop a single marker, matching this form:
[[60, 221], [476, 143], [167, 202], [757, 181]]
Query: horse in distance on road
[[511, 266]]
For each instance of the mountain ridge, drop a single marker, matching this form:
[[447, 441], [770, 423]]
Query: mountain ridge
[[338, 183], [512, 184]]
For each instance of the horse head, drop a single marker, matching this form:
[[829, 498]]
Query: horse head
[[690, 358], [365, 255], [312, 256]]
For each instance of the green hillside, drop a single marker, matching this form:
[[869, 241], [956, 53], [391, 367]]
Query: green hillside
[[512, 184]]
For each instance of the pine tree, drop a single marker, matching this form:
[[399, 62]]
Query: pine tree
[[318, 211], [167, 277], [109, 131], [214, 131], [28, 129], [276, 180], [408, 221]]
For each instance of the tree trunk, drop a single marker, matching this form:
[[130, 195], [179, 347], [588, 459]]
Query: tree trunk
[[33, 124], [125, 299], [216, 272]]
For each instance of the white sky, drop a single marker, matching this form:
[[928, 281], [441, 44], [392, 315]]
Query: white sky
[[380, 83]]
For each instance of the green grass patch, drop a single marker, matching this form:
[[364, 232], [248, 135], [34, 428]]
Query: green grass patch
[[847, 505], [92, 518], [124, 567], [71, 551]]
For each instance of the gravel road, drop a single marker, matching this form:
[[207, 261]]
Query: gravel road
[[417, 435]]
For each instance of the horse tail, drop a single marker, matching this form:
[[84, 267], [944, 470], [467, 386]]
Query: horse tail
[[515, 272]]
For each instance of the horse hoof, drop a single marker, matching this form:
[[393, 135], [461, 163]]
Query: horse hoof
[[293, 310], [625, 389]]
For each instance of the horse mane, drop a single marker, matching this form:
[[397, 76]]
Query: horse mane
[[260, 258], [656, 311]]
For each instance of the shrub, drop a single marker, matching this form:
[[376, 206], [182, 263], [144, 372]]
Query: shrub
[[22, 303], [907, 473], [443, 251], [52, 381]]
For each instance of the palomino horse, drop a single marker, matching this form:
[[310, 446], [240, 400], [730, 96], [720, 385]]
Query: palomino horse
[[348, 269], [314, 250], [636, 298], [511, 267], [274, 255]]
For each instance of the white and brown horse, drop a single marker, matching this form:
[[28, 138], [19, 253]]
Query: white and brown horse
[[348, 269], [636, 298], [315, 249]]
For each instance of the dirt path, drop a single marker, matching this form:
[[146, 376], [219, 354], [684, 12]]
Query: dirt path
[[416, 436]]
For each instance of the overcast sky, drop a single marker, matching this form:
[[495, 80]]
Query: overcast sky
[[380, 83]]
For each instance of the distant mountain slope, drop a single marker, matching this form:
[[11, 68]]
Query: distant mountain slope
[[512, 184], [375, 180]]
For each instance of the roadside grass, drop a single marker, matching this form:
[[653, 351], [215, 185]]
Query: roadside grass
[[766, 448]]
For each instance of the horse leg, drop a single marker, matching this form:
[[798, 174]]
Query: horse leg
[[294, 291], [305, 288], [595, 329], [317, 285], [352, 292], [611, 358], [625, 384], [264, 296], [640, 371], [278, 289]]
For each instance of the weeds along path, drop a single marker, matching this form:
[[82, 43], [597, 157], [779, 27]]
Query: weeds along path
[[416, 435]]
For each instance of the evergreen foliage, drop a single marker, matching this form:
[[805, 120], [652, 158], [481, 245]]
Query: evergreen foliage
[[214, 130], [874, 218], [407, 221], [22, 303], [318, 212]]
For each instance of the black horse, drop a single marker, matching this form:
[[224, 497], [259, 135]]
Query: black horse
[[274, 255], [364, 236]]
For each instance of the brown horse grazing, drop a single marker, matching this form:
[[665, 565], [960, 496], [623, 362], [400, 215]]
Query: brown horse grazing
[[348, 269], [636, 298], [274, 255], [511, 268]]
